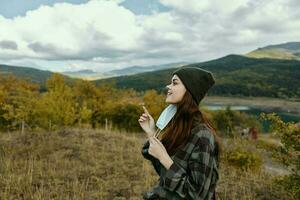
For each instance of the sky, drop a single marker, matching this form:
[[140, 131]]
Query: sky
[[103, 35]]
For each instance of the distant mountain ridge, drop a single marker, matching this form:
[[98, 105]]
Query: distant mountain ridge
[[86, 74], [289, 50], [138, 69], [92, 75], [31, 74], [86, 71]]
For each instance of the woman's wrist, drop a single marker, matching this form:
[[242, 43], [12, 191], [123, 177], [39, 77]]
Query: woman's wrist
[[150, 134], [166, 161]]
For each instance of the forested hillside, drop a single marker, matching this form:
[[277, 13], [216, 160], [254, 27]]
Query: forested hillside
[[235, 76], [30, 74]]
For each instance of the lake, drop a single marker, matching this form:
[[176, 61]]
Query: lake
[[255, 111]]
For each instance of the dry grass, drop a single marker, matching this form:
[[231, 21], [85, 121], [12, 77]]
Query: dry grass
[[248, 185], [98, 164], [270, 139]]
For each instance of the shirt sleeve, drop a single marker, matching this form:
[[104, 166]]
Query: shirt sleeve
[[155, 162], [191, 183]]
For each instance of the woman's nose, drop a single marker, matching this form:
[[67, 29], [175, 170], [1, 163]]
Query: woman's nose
[[166, 89]]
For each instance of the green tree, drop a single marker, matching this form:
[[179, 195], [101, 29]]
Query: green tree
[[223, 120], [124, 116], [228, 121]]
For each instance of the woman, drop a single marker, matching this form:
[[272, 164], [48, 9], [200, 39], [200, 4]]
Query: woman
[[186, 157]]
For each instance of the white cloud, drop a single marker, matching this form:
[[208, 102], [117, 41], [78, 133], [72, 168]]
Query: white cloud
[[69, 31], [103, 34], [238, 26]]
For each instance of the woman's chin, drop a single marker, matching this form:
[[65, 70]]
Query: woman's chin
[[168, 100]]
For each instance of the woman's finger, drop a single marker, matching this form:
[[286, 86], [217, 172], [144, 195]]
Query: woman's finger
[[154, 140], [146, 111], [151, 140], [143, 118], [158, 141]]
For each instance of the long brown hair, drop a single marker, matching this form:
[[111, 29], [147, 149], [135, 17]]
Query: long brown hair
[[179, 129]]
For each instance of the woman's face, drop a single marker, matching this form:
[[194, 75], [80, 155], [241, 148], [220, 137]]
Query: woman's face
[[176, 90]]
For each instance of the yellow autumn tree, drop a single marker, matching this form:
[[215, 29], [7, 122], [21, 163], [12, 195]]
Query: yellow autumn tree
[[154, 102], [105, 98], [3, 121], [85, 92], [58, 105], [17, 101]]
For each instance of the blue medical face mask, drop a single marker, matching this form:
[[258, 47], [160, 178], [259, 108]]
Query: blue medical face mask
[[165, 117]]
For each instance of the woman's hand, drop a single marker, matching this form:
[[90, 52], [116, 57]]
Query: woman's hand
[[147, 123], [158, 150]]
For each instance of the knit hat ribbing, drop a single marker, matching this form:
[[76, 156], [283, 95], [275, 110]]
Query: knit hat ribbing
[[196, 80]]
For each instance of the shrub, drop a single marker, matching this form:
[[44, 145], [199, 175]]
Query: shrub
[[228, 121], [244, 159], [268, 146], [289, 152]]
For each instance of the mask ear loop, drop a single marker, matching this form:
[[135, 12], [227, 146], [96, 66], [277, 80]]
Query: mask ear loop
[[157, 133]]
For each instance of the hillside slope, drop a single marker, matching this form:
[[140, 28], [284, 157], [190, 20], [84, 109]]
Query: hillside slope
[[235, 76], [289, 50]]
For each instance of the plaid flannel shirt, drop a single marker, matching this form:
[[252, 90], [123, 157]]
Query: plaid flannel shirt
[[194, 172]]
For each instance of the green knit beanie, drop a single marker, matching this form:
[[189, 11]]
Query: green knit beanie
[[196, 80]]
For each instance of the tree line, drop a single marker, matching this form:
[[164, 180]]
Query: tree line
[[80, 103], [83, 104]]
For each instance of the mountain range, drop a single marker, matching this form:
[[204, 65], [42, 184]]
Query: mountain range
[[92, 75], [272, 71]]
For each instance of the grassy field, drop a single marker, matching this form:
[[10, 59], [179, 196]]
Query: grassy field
[[98, 164]]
